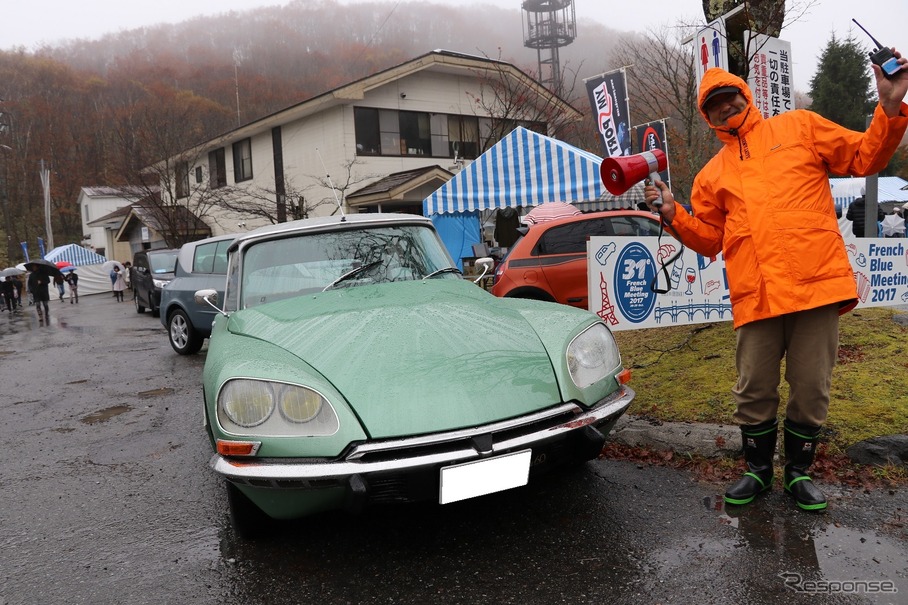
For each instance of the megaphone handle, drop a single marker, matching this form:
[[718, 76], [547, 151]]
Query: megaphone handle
[[653, 177]]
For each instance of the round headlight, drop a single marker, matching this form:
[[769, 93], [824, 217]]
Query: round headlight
[[592, 356], [247, 403], [298, 404]]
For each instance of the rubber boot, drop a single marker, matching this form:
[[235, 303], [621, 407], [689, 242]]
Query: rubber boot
[[759, 441], [800, 447]]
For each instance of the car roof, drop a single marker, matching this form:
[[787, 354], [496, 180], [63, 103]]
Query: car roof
[[591, 215], [328, 223], [187, 250]]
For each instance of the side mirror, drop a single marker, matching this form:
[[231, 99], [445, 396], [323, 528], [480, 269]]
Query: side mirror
[[487, 264], [208, 297]]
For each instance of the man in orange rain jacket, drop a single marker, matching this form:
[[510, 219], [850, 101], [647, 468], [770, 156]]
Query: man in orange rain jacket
[[764, 201]]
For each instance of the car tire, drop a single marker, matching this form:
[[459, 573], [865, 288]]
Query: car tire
[[247, 519], [139, 307], [184, 339], [531, 294]]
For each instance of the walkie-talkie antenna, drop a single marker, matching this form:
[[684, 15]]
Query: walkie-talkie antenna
[[875, 41]]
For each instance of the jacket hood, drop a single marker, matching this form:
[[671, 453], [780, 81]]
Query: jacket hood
[[717, 78]]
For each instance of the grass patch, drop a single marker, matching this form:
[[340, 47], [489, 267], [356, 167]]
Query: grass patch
[[685, 373]]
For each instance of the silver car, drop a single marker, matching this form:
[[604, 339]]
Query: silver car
[[200, 265]]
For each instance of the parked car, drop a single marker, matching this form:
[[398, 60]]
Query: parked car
[[151, 271], [549, 261], [200, 265], [352, 365]]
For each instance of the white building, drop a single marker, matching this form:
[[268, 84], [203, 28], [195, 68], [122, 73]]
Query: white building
[[411, 126], [98, 202]]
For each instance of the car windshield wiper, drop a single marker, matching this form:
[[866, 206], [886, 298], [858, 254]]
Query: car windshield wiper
[[443, 270], [351, 273]]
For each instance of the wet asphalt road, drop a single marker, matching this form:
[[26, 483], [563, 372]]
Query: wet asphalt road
[[107, 499]]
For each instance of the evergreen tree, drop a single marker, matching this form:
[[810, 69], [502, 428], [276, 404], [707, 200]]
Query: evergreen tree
[[842, 88]]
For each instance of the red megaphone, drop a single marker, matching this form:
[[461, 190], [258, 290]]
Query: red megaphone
[[621, 173]]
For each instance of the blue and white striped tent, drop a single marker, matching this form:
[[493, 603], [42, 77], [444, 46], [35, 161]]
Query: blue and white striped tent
[[523, 169], [74, 254]]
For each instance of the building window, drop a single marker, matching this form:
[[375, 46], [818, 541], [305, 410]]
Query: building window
[[365, 122], [217, 169], [415, 138], [198, 174], [242, 160], [401, 133], [182, 183]]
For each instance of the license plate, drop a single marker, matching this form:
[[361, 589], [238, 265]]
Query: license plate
[[482, 477]]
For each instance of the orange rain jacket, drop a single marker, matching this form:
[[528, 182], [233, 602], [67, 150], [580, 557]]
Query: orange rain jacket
[[764, 200]]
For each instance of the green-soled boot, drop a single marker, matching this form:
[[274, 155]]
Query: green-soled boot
[[759, 443], [800, 448]]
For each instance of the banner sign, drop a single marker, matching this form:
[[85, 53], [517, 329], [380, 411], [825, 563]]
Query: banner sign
[[608, 98], [621, 271], [770, 78], [24, 250], [651, 136], [41, 247]]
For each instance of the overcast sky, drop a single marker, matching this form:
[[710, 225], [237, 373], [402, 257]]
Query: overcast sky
[[51, 21]]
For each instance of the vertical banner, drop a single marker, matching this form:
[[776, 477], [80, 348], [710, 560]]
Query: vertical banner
[[710, 48], [24, 250], [41, 247], [622, 269], [608, 98], [651, 136], [770, 77]]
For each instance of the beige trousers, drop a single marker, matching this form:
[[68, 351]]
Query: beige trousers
[[809, 342]]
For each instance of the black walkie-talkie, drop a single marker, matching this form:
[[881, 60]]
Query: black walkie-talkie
[[882, 56]]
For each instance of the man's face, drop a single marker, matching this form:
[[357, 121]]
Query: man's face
[[722, 107]]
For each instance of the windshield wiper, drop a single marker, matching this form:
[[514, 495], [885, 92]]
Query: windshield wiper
[[351, 273], [444, 270]]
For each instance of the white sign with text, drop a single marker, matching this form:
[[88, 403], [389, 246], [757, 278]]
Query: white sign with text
[[627, 278]]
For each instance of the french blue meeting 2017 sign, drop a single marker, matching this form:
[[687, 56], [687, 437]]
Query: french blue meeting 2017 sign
[[646, 283]]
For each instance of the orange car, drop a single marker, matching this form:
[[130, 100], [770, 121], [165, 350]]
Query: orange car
[[549, 262]]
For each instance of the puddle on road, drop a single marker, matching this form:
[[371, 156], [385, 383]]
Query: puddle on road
[[817, 547], [105, 415], [155, 393]]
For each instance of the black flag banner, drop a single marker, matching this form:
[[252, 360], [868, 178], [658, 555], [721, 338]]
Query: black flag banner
[[608, 98]]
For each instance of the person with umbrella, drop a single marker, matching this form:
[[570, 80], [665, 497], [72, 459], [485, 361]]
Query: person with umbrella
[[42, 272], [6, 290], [73, 280]]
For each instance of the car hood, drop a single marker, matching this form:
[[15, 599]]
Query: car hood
[[414, 357]]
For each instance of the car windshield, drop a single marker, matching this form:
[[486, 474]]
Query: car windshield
[[164, 262], [313, 262]]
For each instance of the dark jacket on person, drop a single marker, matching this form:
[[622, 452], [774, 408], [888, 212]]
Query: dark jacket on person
[[855, 214], [37, 285]]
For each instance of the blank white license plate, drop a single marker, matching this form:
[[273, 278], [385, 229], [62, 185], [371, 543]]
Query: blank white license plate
[[482, 477]]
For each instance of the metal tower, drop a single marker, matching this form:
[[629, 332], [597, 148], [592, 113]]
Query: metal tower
[[549, 25]]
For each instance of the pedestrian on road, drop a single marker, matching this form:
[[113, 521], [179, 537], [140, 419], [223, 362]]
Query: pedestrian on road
[[38, 283], [58, 281], [7, 292], [856, 215], [73, 280], [764, 201], [119, 283]]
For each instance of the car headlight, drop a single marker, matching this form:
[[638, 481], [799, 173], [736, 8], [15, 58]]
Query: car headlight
[[592, 355], [160, 283], [246, 407]]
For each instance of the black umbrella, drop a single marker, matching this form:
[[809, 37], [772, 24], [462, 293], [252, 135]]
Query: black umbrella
[[43, 266]]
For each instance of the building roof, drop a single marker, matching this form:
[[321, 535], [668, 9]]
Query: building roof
[[163, 219], [396, 186]]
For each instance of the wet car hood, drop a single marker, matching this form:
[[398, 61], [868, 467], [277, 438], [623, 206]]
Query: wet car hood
[[414, 357]]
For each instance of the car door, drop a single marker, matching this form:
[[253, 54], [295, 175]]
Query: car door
[[563, 255]]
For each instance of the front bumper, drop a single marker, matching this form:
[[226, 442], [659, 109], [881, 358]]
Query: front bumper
[[408, 469]]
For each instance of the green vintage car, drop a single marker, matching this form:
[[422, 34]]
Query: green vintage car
[[351, 365]]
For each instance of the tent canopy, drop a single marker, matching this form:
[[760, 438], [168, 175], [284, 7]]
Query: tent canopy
[[524, 168], [74, 254]]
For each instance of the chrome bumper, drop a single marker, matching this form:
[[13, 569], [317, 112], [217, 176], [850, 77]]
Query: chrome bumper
[[303, 473]]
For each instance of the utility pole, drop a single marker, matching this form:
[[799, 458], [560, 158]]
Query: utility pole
[[45, 183]]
